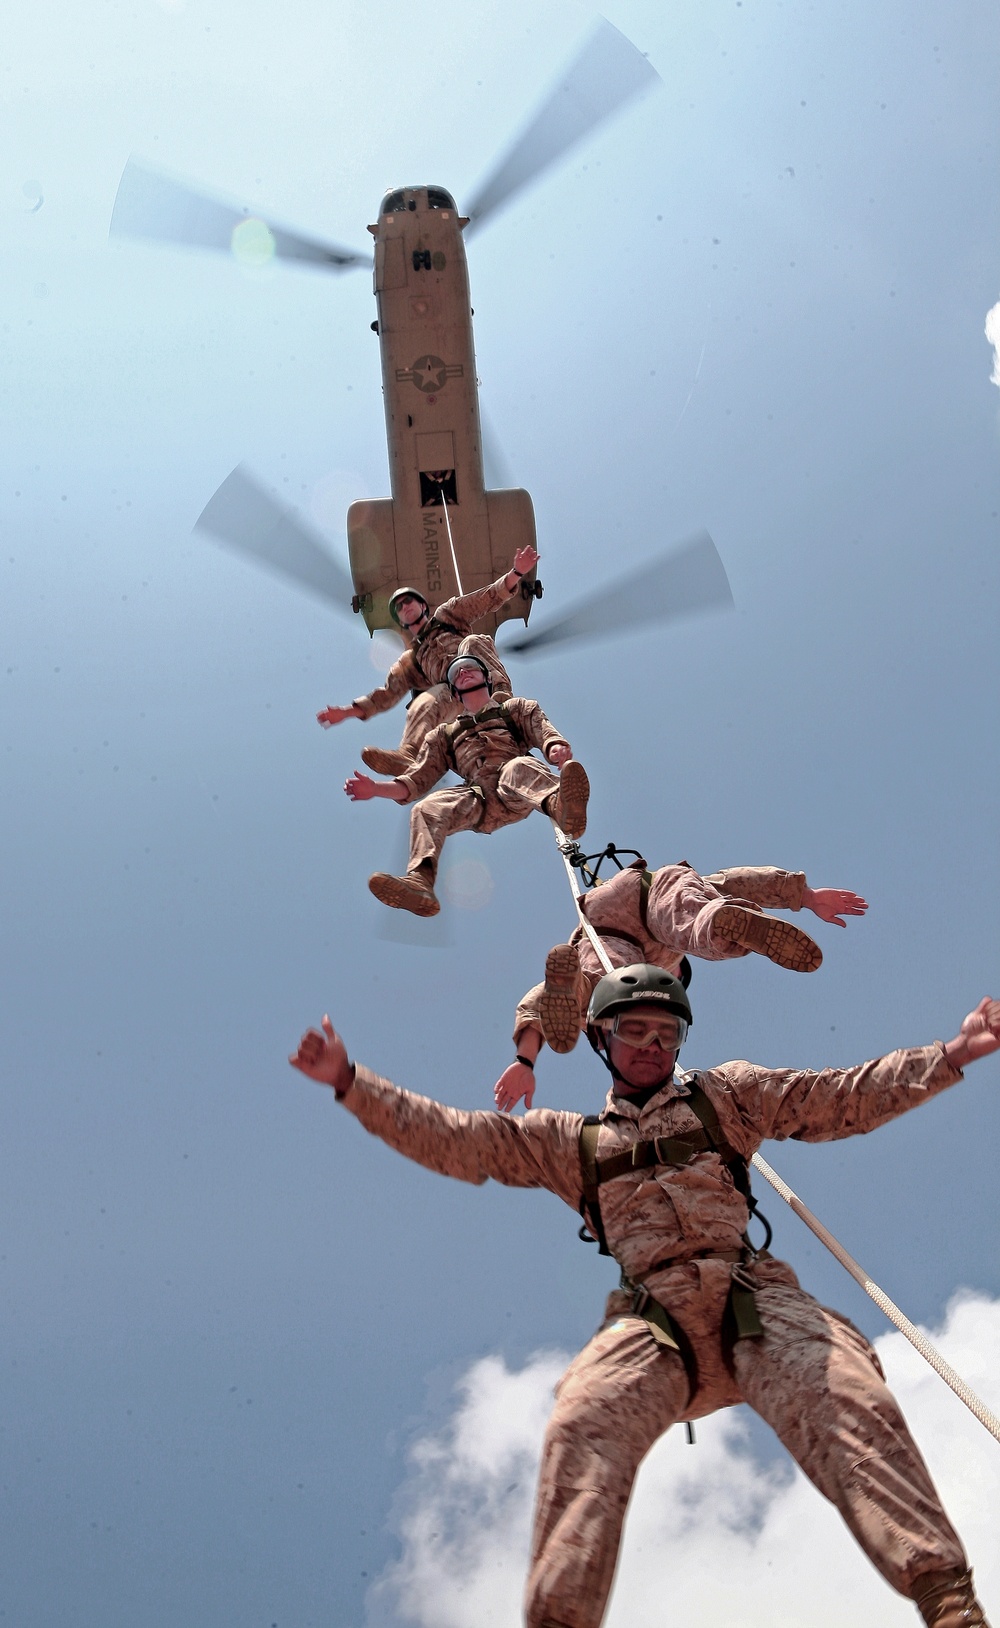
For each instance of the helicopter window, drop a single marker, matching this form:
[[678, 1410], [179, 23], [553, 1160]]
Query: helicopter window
[[437, 198], [435, 483], [392, 203]]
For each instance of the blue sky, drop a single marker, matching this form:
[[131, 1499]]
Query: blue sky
[[756, 302]]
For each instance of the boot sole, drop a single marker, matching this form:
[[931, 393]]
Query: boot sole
[[783, 943], [399, 893], [559, 1005], [574, 794], [383, 761]]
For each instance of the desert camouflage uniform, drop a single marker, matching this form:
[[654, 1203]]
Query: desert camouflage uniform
[[502, 783], [811, 1375], [423, 667], [680, 910]]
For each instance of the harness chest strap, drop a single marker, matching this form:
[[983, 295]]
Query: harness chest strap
[[674, 1151], [489, 715]]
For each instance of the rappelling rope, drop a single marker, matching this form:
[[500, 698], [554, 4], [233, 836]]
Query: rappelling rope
[[451, 543], [881, 1299], [872, 1290]]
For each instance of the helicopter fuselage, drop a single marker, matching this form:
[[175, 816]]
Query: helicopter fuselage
[[433, 431]]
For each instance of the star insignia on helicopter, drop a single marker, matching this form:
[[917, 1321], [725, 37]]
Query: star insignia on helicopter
[[429, 373]]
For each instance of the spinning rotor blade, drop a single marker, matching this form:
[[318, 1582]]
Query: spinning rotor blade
[[690, 578], [248, 519], [608, 72], [152, 205]]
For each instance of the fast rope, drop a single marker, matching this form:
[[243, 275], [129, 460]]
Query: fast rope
[[451, 544], [888, 1307]]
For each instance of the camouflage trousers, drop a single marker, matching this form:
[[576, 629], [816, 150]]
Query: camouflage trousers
[[812, 1376], [681, 911], [522, 785], [437, 705], [680, 914]]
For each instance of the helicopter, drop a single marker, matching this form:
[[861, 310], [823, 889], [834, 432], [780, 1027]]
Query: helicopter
[[441, 531]]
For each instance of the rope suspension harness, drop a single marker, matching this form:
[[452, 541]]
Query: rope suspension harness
[[589, 865], [675, 1151], [575, 861], [497, 716]]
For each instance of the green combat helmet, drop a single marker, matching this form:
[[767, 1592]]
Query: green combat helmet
[[639, 985], [405, 593]]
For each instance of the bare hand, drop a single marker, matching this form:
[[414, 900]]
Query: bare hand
[[334, 715], [525, 558], [323, 1057], [560, 754], [833, 903], [361, 787], [515, 1082], [978, 1036]]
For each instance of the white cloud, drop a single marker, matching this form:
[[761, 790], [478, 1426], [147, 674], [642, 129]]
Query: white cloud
[[993, 335], [713, 1536]]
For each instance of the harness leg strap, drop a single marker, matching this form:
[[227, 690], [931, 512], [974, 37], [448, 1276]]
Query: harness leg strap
[[661, 1324], [744, 1306]]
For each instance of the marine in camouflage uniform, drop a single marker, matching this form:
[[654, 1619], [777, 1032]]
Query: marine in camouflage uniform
[[678, 1230], [491, 750], [421, 669], [660, 917]]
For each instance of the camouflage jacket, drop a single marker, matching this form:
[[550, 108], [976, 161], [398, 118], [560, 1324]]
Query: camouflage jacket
[[663, 1212], [429, 656], [479, 750]]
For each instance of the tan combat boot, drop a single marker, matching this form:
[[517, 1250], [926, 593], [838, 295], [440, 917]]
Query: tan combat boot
[[383, 761], [559, 1003], [780, 941], [413, 892], [947, 1599], [569, 805]]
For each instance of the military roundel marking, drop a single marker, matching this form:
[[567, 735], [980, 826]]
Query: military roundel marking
[[429, 373], [439, 260]]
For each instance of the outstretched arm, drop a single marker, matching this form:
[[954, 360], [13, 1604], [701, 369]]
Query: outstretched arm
[[540, 1150], [775, 889], [470, 608], [833, 903], [839, 1102], [402, 677]]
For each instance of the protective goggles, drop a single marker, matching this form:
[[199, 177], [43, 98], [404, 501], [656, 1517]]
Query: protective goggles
[[667, 1030], [468, 667]]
